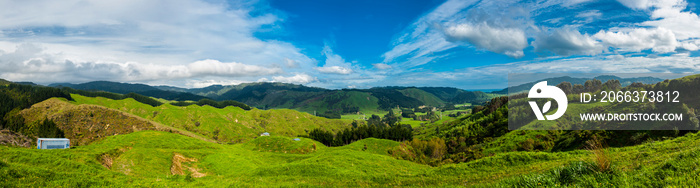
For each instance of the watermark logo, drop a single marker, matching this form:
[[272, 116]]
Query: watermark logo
[[543, 91]]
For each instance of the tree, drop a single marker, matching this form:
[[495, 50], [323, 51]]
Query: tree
[[612, 85], [593, 85], [375, 120], [407, 113], [48, 129], [566, 87], [391, 118]]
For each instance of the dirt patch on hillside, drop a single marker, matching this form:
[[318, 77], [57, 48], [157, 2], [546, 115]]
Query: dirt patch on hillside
[[10, 138], [181, 163], [106, 159]]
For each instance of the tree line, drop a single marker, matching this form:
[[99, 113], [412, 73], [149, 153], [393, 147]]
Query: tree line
[[383, 128], [115, 96], [15, 97], [213, 103]]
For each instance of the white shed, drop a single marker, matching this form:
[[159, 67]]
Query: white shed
[[52, 143]]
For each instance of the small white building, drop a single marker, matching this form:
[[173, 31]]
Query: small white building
[[52, 143], [265, 134]]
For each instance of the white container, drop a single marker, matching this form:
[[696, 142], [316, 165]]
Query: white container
[[52, 143]]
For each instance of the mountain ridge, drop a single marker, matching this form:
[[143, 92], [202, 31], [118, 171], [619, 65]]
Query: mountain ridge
[[267, 95]]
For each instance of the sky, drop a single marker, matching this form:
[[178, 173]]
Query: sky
[[465, 44]]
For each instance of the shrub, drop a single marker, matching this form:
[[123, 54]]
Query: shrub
[[601, 158]]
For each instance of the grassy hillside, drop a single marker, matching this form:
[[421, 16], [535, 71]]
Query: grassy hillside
[[340, 101], [423, 96], [86, 123], [230, 124], [155, 159], [4, 82]]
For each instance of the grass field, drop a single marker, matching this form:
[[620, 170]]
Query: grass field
[[162, 159]]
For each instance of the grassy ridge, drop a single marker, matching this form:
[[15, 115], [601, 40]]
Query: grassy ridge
[[86, 123], [230, 124]]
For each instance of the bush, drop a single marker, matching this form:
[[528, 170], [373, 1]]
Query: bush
[[601, 158]]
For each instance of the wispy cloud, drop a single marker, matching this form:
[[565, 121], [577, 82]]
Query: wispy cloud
[[423, 38], [381, 66], [334, 64]]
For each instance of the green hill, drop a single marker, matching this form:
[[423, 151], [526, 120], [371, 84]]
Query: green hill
[[342, 101], [486, 132], [157, 159], [86, 123], [423, 96], [230, 124]]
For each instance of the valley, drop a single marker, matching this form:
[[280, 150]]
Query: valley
[[124, 142]]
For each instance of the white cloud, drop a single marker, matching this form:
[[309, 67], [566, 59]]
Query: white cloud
[[657, 39], [334, 64], [291, 63], [145, 37], [637, 4], [206, 83], [569, 3], [301, 78], [509, 41], [669, 14], [567, 42], [30, 62], [334, 70], [381, 66], [233, 69], [590, 15], [684, 25]]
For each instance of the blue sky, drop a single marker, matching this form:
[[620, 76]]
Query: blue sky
[[342, 44]]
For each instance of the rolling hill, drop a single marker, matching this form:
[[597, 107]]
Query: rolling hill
[[495, 156], [266, 95], [230, 124], [162, 159]]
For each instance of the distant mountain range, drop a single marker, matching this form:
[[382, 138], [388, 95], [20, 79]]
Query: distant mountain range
[[124, 88], [557, 80], [266, 95]]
